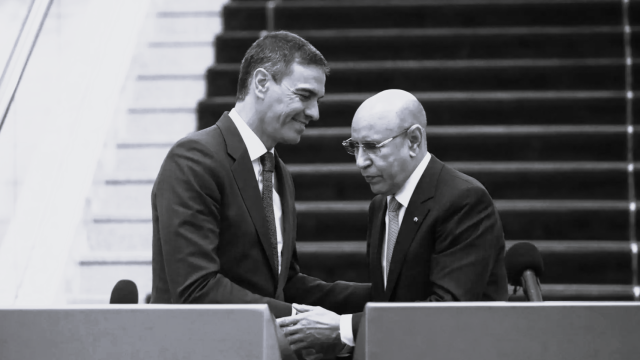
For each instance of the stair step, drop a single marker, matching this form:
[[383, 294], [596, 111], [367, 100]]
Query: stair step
[[566, 262], [177, 60], [317, 220], [131, 201], [99, 272], [142, 160], [636, 133], [586, 262], [192, 5], [120, 236], [590, 292], [634, 12], [350, 207], [178, 26], [296, 15], [439, 44], [173, 93], [470, 75], [157, 128], [503, 180], [139, 161], [87, 299], [508, 143], [521, 219], [469, 108]]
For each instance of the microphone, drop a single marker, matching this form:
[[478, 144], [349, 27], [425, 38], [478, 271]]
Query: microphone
[[524, 267], [125, 292]]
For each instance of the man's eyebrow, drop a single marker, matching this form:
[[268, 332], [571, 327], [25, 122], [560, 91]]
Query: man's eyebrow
[[309, 90]]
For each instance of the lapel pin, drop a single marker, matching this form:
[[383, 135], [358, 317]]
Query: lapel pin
[[415, 219]]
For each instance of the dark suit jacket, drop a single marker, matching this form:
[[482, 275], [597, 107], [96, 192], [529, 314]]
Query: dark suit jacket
[[453, 252], [211, 243]]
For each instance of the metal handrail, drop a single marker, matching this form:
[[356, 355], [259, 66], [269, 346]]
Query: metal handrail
[[20, 54]]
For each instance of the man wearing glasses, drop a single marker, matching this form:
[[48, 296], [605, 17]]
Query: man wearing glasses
[[433, 234]]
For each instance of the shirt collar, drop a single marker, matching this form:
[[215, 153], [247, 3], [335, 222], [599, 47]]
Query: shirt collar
[[253, 143], [406, 191]]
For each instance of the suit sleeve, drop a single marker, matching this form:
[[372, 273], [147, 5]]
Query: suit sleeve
[[188, 207], [468, 234], [340, 297], [357, 317]]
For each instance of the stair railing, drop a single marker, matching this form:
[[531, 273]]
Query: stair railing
[[20, 54]]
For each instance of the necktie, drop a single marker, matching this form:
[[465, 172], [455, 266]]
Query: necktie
[[393, 228], [268, 166]]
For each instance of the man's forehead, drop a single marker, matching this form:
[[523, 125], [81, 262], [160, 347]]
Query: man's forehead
[[361, 134], [370, 129]]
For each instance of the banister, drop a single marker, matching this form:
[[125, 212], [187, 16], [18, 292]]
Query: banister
[[20, 54]]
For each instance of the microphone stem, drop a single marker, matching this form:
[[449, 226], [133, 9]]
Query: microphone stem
[[531, 286]]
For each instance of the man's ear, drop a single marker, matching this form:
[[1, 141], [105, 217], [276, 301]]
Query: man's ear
[[415, 134], [260, 84]]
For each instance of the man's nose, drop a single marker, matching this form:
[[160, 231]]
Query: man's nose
[[312, 111], [362, 158]]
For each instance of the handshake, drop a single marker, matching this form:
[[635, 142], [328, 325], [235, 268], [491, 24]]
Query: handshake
[[313, 333]]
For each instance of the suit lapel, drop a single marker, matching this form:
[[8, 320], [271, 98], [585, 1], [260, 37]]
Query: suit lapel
[[418, 208], [287, 201], [375, 246], [246, 180]]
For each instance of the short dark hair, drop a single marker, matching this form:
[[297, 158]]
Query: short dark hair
[[275, 52]]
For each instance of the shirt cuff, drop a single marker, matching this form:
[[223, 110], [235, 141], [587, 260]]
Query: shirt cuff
[[293, 311], [346, 351], [346, 331]]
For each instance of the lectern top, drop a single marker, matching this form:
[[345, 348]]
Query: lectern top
[[478, 304]]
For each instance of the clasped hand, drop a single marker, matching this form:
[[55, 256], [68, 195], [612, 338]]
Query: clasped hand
[[313, 328]]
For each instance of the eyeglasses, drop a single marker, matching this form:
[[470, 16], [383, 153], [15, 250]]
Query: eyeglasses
[[369, 147]]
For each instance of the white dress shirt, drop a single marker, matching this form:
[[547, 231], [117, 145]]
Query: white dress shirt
[[402, 196], [256, 149]]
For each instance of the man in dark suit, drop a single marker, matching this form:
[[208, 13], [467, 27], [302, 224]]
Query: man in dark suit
[[224, 216], [433, 233]]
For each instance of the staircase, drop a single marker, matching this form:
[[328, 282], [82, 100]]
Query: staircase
[[534, 98], [158, 108]]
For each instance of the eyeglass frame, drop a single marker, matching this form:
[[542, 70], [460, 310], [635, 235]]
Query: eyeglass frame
[[377, 145]]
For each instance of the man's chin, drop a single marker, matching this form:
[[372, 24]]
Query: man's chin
[[377, 189], [291, 139]]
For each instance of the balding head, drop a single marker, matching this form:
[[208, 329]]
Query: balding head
[[379, 118], [390, 110]]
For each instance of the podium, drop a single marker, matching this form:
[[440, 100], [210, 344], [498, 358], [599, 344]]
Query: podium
[[141, 332], [483, 331], [438, 331]]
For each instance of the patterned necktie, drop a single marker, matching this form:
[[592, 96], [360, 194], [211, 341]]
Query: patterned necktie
[[268, 166], [392, 230]]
